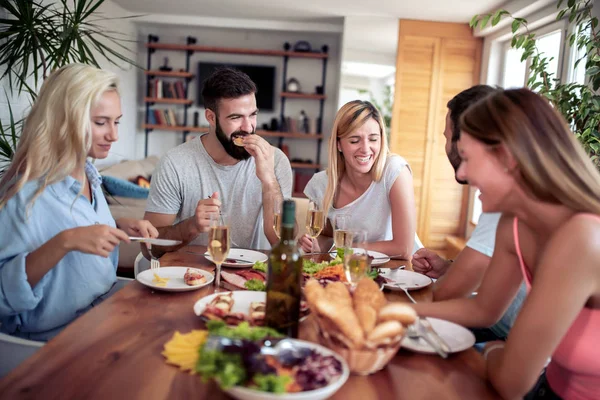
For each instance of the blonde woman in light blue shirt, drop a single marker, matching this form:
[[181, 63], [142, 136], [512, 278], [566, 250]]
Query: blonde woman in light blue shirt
[[59, 242]]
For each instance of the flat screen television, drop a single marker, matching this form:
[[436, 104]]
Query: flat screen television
[[262, 75]]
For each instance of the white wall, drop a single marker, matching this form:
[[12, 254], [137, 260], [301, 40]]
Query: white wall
[[108, 12], [307, 71], [125, 147]]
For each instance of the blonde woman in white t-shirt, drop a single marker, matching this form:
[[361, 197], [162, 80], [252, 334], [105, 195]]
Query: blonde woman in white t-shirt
[[367, 183]]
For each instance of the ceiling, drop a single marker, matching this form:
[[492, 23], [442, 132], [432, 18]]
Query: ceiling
[[314, 10]]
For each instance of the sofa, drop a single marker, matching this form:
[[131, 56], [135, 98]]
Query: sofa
[[121, 206], [135, 207]]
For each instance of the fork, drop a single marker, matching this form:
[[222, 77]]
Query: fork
[[154, 263]]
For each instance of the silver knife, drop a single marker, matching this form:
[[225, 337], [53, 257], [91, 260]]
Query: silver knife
[[429, 331]]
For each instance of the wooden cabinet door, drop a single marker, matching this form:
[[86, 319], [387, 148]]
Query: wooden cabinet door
[[435, 61]]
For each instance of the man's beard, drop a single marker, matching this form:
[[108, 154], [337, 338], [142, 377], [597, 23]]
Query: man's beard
[[237, 152], [455, 160]]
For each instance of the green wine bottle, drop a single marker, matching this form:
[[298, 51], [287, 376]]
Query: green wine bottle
[[284, 281]]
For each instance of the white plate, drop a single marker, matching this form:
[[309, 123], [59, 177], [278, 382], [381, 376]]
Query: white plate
[[401, 278], [380, 258], [175, 275], [243, 393], [158, 242], [241, 254], [241, 301], [457, 337]]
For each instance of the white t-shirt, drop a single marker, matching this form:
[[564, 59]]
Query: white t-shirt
[[372, 211], [483, 236], [187, 174]]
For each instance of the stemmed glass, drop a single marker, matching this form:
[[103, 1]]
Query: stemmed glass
[[314, 221], [341, 231], [277, 216], [356, 258], [218, 243]]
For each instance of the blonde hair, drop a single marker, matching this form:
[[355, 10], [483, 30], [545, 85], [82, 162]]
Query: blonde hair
[[552, 164], [348, 119], [57, 135]]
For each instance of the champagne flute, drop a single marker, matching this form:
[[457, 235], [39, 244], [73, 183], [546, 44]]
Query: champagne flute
[[218, 243], [277, 216], [341, 231], [314, 221], [356, 258]]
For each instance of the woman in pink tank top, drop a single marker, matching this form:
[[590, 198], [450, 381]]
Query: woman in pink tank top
[[528, 165]]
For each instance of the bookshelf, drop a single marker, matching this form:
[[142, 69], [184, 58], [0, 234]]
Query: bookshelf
[[153, 123]]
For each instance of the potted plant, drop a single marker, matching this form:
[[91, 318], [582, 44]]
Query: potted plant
[[37, 38], [579, 104]]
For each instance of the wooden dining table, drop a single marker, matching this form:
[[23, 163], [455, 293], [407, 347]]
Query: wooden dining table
[[114, 352]]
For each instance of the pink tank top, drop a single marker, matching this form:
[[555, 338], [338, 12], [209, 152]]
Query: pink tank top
[[574, 371]]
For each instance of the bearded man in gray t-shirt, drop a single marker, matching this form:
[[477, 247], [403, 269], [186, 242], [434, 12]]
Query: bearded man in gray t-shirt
[[213, 174]]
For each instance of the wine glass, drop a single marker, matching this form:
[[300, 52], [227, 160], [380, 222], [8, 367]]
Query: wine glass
[[314, 221], [341, 231], [218, 243], [357, 263], [277, 216]]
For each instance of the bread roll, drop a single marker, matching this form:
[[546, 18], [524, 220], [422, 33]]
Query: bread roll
[[400, 312], [384, 331]]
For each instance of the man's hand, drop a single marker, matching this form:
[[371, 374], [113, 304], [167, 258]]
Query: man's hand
[[429, 263], [264, 156], [204, 209]]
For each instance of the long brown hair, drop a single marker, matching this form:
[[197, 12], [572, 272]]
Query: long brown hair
[[348, 119], [551, 163]]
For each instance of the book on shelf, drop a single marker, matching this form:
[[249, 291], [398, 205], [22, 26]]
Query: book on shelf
[[159, 89], [162, 117]]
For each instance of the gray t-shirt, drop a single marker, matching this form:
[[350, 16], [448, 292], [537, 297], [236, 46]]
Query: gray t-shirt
[[187, 174], [372, 211], [483, 240]]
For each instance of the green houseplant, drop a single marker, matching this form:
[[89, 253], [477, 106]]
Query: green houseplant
[[37, 38], [579, 104]]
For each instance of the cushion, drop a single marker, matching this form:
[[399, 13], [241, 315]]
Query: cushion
[[121, 187], [131, 168]]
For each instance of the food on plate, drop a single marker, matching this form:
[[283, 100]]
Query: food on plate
[[260, 266], [400, 312], [158, 281], [361, 320], [257, 313], [193, 277], [223, 302], [255, 285], [242, 364], [238, 138], [182, 349], [218, 310]]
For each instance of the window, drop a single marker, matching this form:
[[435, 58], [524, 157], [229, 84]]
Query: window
[[550, 46], [513, 75], [577, 74]]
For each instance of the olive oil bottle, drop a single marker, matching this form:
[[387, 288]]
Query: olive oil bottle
[[284, 281]]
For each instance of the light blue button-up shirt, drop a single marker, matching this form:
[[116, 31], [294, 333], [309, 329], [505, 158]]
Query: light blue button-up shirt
[[74, 284]]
